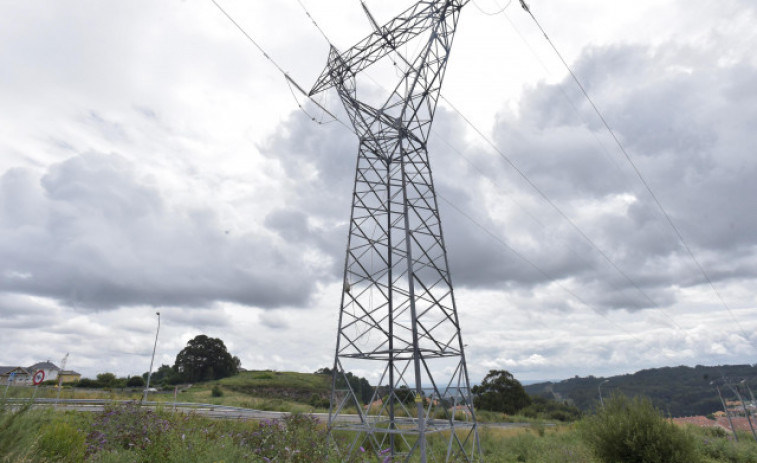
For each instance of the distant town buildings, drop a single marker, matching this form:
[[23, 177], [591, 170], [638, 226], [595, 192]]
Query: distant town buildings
[[24, 376]]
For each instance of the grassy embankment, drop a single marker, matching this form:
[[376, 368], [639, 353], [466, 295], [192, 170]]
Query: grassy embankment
[[261, 390], [129, 433]]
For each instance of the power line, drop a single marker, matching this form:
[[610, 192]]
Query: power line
[[495, 13], [290, 81], [307, 13], [543, 272], [293, 85], [644, 182], [559, 85], [551, 203], [522, 174], [483, 228]]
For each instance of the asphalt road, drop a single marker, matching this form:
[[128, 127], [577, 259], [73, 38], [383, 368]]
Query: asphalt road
[[209, 410]]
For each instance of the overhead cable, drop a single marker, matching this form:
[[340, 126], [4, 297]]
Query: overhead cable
[[552, 204], [495, 13], [290, 81], [541, 271], [644, 182], [522, 174]]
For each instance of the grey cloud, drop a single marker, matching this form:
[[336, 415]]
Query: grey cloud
[[290, 224], [95, 234], [25, 313], [320, 161], [274, 321], [685, 128], [679, 128], [200, 318]]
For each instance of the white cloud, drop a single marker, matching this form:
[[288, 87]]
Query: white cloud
[[152, 159]]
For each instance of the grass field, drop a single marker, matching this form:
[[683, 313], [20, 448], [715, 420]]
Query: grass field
[[261, 390], [129, 433]]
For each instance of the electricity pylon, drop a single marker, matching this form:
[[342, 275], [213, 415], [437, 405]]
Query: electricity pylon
[[398, 319]]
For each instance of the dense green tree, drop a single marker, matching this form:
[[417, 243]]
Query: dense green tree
[[204, 359], [362, 388], [135, 381], [107, 380], [500, 392], [165, 374], [87, 383]]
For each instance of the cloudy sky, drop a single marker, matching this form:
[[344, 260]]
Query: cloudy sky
[[152, 159]]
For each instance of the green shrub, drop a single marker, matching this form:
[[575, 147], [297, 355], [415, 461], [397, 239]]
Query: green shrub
[[633, 431], [216, 391], [61, 441], [548, 409]]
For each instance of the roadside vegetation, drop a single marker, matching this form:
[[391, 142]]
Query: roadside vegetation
[[622, 431], [626, 430]]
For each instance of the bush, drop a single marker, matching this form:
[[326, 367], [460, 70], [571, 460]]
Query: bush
[[216, 391], [124, 427], [297, 438], [548, 409], [633, 431], [88, 383]]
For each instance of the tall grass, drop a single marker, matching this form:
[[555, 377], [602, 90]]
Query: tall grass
[[133, 434]]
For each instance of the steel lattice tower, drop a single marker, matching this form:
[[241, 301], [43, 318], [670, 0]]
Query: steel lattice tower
[[398, 314]]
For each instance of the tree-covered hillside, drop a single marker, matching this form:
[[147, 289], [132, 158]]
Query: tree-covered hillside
[[677, 391]]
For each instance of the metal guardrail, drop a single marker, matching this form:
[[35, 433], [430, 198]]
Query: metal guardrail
[[209, 410], [153, 404]]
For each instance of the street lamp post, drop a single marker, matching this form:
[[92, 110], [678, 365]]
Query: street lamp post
[[601, 401], [152, 360]]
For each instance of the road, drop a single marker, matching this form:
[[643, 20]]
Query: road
[[209, 410]]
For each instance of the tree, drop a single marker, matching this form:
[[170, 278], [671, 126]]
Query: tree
[[500, 392], [107, 380], [164, 375], [135, 381], [205, 359], [360, 386]]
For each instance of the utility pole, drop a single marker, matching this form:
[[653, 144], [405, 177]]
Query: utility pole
[[601, 401], [398, 316], [149, 372]]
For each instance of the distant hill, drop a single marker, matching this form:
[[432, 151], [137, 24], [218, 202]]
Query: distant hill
[[677, 391]]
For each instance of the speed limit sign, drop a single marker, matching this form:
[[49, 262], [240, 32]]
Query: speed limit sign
[[39, 376]]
